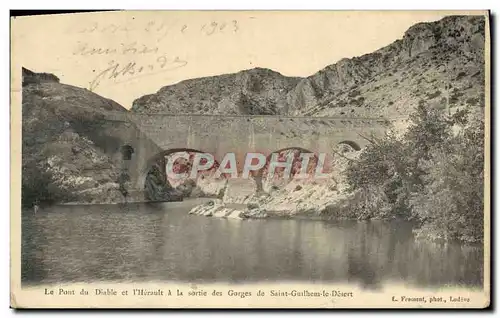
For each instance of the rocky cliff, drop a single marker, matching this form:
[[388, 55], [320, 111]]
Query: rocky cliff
[[251, 92], [440, 62], [69, 153]]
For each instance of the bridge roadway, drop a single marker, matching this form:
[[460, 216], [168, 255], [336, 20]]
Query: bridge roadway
[[219, 135]]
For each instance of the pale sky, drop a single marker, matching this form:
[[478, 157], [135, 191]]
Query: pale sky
[[182, 45]]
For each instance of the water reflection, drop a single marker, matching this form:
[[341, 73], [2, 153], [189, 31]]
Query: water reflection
[[161, 242]]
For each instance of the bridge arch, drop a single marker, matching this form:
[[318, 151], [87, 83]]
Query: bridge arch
[[157, 164], [127, 151], [168, 152], [352, 144], [258, 176], [302, 150]]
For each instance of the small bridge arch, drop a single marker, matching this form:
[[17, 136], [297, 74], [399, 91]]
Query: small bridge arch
[[354, 145], [259, 175], [160, 159]]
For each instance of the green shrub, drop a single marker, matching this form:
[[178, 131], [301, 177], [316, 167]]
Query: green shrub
[[429, 175], [37, 186]]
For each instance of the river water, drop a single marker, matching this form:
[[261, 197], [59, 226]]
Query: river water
[[161, 242]]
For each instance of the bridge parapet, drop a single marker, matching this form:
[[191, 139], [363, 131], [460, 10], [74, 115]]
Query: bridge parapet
[[219, 135]]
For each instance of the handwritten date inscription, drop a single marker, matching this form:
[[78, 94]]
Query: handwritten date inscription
[[123, 72], [156, 31], [163, 28]]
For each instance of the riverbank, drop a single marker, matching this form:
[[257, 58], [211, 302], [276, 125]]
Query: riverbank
[[217, 208]]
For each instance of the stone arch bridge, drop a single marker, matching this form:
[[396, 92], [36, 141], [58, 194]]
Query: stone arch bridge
[[160, 134]]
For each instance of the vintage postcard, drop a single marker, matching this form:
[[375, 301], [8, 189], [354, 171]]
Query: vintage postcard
[[250, 159]]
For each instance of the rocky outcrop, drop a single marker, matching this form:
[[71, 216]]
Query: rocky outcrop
[[295, 198], [30, 77], [305, 196], [252, 92], [156, 188], [441, 63], [216, 208], [70, 153]]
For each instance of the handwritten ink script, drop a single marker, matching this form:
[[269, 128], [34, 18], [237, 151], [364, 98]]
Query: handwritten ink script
[[156, 30], [131, 48], [161, 28], [123, 72]]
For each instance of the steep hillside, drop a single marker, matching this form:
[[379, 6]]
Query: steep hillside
[[440, 62], [251, 92], [69, 153]]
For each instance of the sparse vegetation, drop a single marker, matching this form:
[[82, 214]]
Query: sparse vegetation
[[354, 93], [455, 96], [357, 102], [434, 94], [472, 101], [38, 187], [461, 75]]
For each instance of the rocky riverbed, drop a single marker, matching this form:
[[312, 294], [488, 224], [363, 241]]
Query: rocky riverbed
[[295, 198]]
